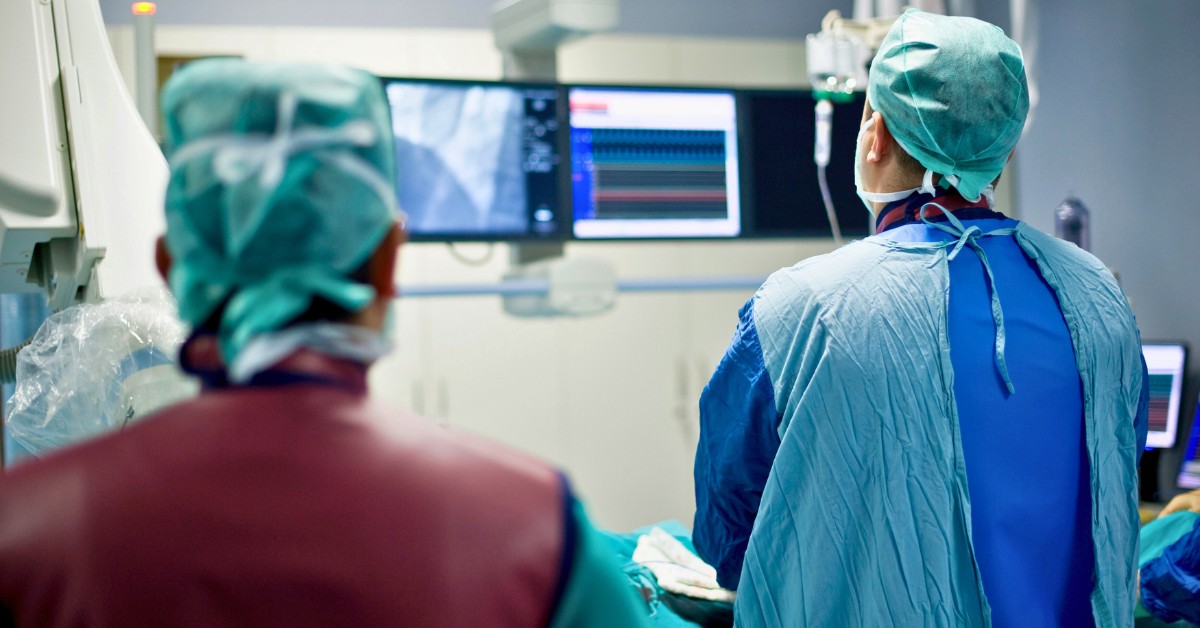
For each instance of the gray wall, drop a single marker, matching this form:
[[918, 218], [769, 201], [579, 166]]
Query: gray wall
[[1116, 123], [727, 18]]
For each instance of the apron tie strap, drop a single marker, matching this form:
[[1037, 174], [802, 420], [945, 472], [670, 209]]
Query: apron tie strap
[[969, 238]]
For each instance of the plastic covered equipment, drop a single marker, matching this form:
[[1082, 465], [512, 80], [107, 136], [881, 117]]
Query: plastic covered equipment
[[96, 367]]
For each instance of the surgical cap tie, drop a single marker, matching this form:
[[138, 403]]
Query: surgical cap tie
[[969, 238], [988, 193], [292, 291]]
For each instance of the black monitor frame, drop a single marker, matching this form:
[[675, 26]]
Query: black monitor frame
[[1179, 435], [853, 218], [563, 209], [1160, 468], [708, 89]]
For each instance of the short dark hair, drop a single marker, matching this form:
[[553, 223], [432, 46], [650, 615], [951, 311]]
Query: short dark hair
[[908, 164]]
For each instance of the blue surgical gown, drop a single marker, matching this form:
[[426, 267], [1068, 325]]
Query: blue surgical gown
[[1171, 582], [1025, 453]]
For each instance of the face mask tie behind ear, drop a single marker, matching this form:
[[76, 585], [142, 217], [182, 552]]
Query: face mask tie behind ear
[[883, 197]]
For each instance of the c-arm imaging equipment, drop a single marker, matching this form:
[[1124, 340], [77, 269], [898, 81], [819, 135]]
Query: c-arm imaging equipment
[[81, 178]]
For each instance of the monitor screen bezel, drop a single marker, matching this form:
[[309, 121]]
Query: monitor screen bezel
[[636, 87], [1179, 411], [855, 222], [566, 211]]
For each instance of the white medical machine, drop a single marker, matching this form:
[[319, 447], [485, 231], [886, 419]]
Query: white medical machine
[[81, 177]]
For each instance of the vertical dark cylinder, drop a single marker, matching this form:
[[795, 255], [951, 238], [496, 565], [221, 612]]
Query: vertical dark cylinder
[[1072, 222]]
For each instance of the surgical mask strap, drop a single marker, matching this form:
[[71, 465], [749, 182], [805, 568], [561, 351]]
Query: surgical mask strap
[[927, 183], [349, 342], [988, 193], [927, 187], [889, 197], [872, 197], [968, 237]]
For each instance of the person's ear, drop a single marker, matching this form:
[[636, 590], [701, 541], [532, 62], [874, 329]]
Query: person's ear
[[162, 258], [882, 140], [382, 267]]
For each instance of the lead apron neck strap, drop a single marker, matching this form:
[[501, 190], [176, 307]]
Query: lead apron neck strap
[[968, 237]]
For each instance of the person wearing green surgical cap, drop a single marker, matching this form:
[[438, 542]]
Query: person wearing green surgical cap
[[282, 495], [938, 425]]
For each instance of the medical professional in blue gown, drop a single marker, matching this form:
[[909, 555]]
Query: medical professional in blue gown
[[938, 425]]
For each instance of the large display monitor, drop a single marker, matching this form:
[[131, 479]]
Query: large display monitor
[[782, 196], [479, 161], [654, 163], [1166, 363]]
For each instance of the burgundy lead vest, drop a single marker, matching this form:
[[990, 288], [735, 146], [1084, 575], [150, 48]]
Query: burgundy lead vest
[[295, 505]]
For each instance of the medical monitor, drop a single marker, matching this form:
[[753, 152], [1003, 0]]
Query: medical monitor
[[1166, 363], [1189, 473], [654, 163], [781, 191], [479, 160]]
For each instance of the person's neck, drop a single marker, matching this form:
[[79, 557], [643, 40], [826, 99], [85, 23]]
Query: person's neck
[[902, 211], [891, 179], [373, 317]]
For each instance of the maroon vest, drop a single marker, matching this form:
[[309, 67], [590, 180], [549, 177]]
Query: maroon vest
[[300, 505]]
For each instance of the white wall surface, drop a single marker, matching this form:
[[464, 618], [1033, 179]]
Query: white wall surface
[[612, 399], [470, 53], [721, 18]]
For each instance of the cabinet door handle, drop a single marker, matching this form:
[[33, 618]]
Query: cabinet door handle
[[683, 393], [443, 392], [682, 380], [418, 396], [681, 410]]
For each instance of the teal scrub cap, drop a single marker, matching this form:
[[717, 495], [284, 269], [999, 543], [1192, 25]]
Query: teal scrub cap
[[282, 184], [953, 93]]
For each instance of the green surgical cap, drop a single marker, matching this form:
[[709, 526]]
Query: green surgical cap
[[952, 91], [281, 186]]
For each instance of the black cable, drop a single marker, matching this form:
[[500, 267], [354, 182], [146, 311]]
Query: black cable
[[487, 255], [8, 362]]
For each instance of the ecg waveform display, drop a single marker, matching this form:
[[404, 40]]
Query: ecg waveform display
[[652, 173], [1165, 363], [650, 163], [1161, 385]]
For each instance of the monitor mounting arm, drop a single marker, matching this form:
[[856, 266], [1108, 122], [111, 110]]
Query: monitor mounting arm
[[529, 32]]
